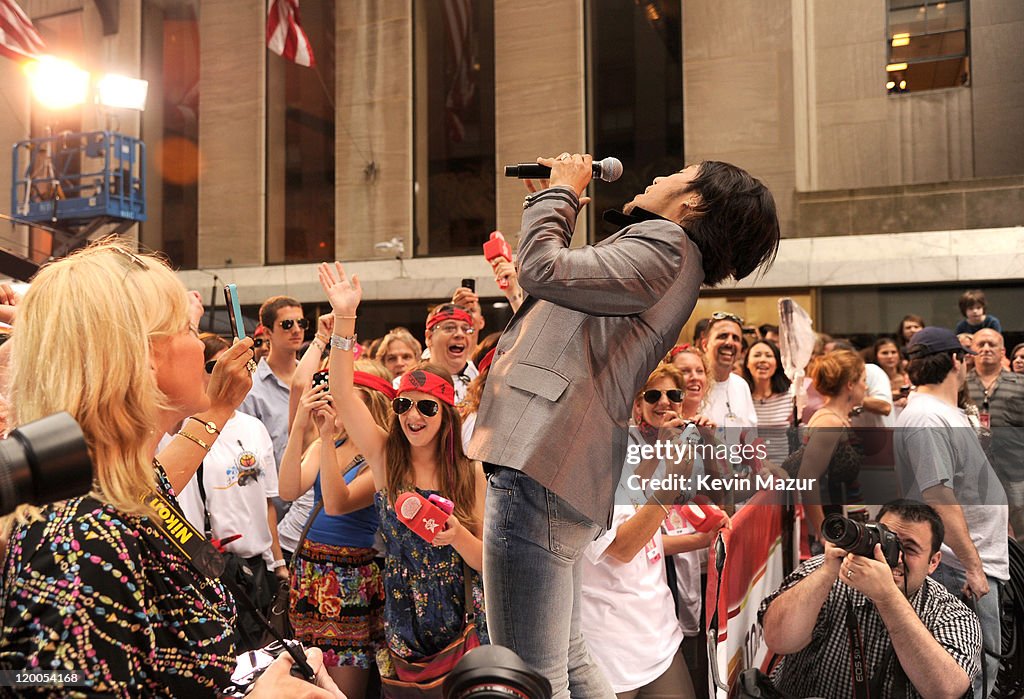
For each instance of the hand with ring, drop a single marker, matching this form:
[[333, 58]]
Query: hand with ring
[[567, 170], [232, 376]]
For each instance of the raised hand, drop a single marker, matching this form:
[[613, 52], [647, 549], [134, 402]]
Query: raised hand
[[344, 294]]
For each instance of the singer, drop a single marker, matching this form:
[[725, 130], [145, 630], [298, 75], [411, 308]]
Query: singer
[[552, 424]]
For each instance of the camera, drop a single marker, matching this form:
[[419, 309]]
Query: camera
[[860, 539], [494, 672], [250, 666], [42, 462]]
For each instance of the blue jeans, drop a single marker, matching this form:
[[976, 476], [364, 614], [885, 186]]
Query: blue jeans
[[533, 548], [987, 609]]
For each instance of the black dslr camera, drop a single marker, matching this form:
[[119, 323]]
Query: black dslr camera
[[860, 539], [250, 667]]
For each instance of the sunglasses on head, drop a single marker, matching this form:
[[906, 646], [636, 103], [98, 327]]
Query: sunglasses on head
[[722, 315], [653, 395], [288, 324], [426, 408]]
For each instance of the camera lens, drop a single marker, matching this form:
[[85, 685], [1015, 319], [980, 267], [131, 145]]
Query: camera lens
[[494, 672], [841, 531], [44, 461]]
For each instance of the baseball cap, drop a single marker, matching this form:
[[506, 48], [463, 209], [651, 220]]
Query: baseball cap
[[932, 340]]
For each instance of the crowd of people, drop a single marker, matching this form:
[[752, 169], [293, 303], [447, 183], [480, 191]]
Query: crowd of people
[[308, 463]]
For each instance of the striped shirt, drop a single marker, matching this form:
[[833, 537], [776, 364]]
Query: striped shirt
[[822, 667], [774, 416], [1004, 404]]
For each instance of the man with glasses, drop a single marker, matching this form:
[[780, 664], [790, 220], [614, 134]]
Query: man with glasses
[[451, 337], [552, 425], [939, 460]]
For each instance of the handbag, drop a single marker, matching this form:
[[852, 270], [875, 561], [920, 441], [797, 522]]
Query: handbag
[[423, 678]]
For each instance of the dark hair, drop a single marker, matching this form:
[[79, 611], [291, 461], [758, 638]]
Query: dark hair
[[779, 382], [914, 511], [970, 299], [834, 370], [737, 229], [700, 330], [900, 342], [212, 344], [270, 307], [879, 344], [1013, 352], [932, 369], [766, 328]]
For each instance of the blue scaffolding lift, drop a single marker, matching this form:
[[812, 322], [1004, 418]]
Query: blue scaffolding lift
[[78, 182]]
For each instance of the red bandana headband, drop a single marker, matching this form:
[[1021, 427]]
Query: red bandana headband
[[427, 382], [677, 349], [449, 313], [375, 383]]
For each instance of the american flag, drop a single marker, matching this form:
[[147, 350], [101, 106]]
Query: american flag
[[284, 35], [18, 38]]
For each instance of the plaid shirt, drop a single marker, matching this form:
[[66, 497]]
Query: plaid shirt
[[822, 668]]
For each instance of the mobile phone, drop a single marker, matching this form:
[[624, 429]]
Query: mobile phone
[[469, 284], [320, 378], [234, 311]]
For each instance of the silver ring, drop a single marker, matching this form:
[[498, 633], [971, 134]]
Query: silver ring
[[849, 573], [564, 156], [251, 366]]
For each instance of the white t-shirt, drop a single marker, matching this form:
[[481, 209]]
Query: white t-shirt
[[687, 575], [239, 474], [289, 529], [878, 387], [934, 444], [731, 408], [627, 615]]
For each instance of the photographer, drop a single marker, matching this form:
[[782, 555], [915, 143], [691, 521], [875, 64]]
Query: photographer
[[915, 638]]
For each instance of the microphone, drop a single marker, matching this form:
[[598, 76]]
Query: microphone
[[609, 170]]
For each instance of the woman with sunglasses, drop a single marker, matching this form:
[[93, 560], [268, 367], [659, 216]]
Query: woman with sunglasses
[[425, 604], [337, 593], [93, 585]]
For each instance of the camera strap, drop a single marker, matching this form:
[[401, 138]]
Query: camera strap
[[209, 562], [858, 670]]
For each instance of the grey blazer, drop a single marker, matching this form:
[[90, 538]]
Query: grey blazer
[[596, 322]]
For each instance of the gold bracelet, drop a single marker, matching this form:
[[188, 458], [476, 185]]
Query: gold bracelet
[[210, 426], [201, 443], [346, 317]]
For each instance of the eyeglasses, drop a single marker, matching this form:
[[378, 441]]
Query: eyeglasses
[[288, 324], [452, 328], [722, 315], [653, 395], [426, 408]]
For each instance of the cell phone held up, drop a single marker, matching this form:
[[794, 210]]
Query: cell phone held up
[[235, 318], [469, 284]]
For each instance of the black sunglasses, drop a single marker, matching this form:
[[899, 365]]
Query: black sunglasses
[[209, 366], [258, 342], [287, 324], [427, 408], [653, 395]]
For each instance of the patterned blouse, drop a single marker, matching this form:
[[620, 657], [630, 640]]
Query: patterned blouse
[[424, 605], [92, 591]]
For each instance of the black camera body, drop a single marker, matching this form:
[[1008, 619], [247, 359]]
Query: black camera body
[[860, 538], [250, 667]]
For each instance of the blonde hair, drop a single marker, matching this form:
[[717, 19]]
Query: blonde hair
[[401, 335], [82, 344]]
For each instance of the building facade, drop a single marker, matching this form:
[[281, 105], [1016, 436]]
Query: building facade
[[898, 167]]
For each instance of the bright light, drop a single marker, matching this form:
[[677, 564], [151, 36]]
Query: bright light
[[902, 39], [56, 83], [890, 85], [895, 67], [903, 84], [122, 92]]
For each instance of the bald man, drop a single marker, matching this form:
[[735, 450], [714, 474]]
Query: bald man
[[999, 395]]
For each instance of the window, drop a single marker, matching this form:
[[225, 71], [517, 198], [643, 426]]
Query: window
[[928, 45], [300, 147], [454, 192], [170, 128], [635, 100]]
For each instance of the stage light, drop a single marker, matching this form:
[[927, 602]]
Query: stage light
[[57, 83], [122, 92]]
